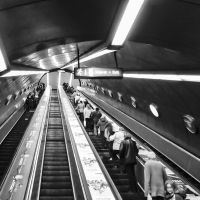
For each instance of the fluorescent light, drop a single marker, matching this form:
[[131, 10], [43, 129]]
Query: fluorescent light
[[129, 16], [193, 78], [22, 73], [2, 62], [92, 56], [97, 54], [170, 77]]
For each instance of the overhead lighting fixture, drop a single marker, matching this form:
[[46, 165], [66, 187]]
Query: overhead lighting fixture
[[170, 77], [129, 16], [22, 73], [2, 62], [90, 57]]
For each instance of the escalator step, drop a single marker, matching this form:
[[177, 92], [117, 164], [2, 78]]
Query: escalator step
[[56, 168], [55, 148], [55, 151], [51, 158], [59, 185], [118, 176], [56, 173], [56, 192], [123, 189], [120, 182], [57, 198], [56, 178], [55, 154], [55, 163]]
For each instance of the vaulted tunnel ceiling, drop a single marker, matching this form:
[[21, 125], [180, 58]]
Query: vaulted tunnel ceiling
[[165, 35]]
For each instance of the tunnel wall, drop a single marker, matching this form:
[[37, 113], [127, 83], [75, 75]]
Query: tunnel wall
[[174, 100], [18, 87]]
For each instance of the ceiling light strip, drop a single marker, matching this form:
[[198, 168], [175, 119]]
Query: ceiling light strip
[[90, 57], [22, 73], [129, 16], [170, 77]]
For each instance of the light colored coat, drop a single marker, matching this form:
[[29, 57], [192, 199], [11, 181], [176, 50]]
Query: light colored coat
[[87, 112], [117, 138], [154, 178]]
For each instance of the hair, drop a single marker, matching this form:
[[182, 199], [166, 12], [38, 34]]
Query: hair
[[127, 135], [172, 183], [151, 155], [97, 109]]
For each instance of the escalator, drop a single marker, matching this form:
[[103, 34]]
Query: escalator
[[120, 179], [56, 183], [10, 144]]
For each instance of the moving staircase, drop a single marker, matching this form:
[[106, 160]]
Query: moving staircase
[[10, 144], [120, 179], [56, 182]]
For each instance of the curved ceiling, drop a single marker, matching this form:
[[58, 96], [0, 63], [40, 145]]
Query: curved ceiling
[[165, 35]]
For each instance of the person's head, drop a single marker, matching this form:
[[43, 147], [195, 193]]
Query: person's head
[[121, 129], [108, 125], [126, 135], [97, 109], [170, 186], [88, 106], [151, 155]]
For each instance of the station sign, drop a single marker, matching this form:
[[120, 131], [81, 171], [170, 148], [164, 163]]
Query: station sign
[[97, 72]]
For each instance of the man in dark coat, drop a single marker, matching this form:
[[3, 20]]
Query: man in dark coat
[[127, 152], [95, 116]]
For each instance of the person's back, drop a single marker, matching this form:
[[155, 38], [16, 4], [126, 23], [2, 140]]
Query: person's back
[[81, 107], [96, 115], [155, 177], [117, 138], [102, 123], [128, 151]]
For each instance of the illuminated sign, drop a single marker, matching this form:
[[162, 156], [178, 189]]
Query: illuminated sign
[[96, 72]]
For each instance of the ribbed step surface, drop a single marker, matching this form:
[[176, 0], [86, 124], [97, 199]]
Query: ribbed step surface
[[11, 142], [56, 182]]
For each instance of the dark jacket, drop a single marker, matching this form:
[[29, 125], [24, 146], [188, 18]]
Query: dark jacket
[[128, 151], [95, 116]]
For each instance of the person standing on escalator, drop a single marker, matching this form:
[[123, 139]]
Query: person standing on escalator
[[128, 152], [95, 116], [154, 178]]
